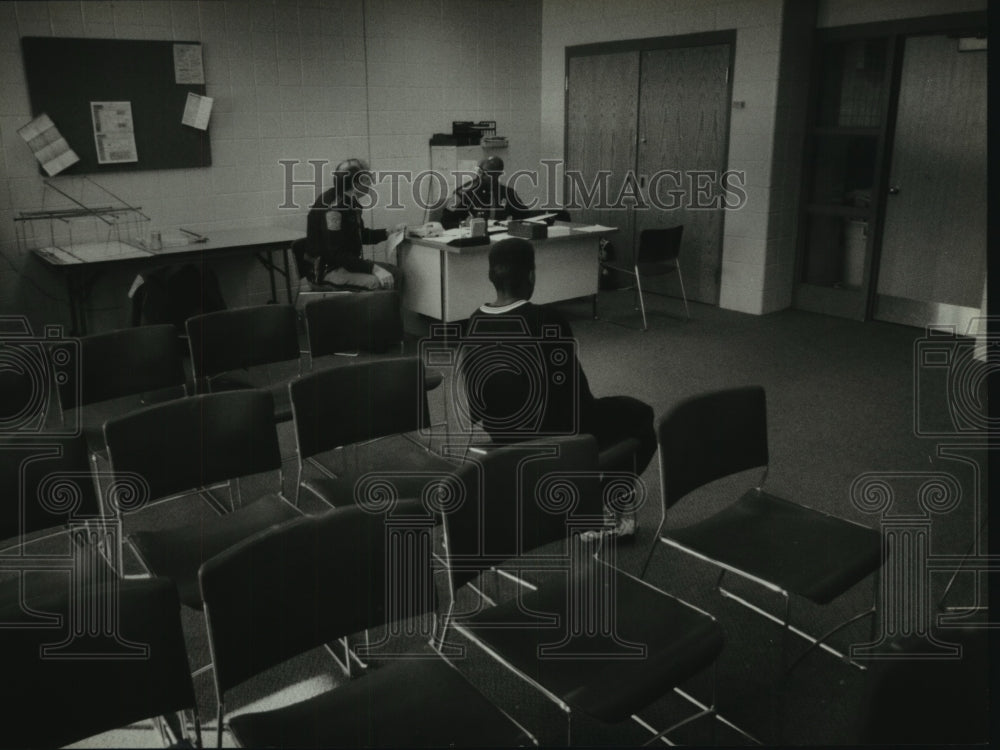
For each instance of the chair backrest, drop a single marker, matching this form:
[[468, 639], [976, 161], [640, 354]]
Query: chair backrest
[[196, 442], [904, 699], [243, 337], [365, 321], [312, 580], [711, 436], [361, 401], [518, 498], [52, 477], [659, 245], [122, 363], [81, 697]]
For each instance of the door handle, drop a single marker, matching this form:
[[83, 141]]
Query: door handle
[[894, 190]]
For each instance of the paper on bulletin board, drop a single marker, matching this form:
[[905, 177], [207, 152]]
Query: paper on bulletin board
[[188, 67], [197, 110], [48, 145], [114, 132]]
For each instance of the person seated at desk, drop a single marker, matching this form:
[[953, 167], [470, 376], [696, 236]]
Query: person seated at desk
[[500, 395], [484, 196], [335, 233]]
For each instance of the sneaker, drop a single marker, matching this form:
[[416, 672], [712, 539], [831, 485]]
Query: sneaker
[[625, 527]]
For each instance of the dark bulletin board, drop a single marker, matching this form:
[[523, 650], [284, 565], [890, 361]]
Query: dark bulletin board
[[65, 75]]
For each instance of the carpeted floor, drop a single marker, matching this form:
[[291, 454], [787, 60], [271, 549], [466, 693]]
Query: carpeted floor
[[845, 399]]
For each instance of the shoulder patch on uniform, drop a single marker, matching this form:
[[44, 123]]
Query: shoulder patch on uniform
[[333, 221]]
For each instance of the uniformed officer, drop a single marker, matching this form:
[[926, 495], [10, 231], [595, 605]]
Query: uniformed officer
[[336, 231], [484, 196]]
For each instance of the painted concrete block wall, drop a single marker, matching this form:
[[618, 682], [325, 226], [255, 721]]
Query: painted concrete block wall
[[755, 82], [292, 79]]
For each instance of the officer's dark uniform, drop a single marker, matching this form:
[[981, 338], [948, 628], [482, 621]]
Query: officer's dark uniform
[[485, 197], [335, 233]]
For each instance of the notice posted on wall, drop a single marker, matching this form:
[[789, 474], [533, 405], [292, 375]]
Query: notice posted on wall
[[114, 132], [188, 67], [197, 110], [48, 145]]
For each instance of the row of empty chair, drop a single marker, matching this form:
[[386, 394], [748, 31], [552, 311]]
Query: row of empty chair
[[216, 437]]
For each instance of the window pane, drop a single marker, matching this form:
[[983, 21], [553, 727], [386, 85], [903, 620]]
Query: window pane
[[853, 74]]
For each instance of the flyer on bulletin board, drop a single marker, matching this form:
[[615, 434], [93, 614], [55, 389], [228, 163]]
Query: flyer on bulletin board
[[197, 111], [114, 132], [188, 66], [48, 145]]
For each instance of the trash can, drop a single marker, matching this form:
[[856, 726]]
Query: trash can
[[855, 243]]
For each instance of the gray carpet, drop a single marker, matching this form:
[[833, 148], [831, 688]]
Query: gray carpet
[[841, 403]]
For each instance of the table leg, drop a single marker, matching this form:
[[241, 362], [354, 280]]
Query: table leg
[[288, 274], [444, 286], [270, 273], [77, 314]]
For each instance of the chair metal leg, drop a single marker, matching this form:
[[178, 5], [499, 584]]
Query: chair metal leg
[[792, 630], [652, 549], [680, 278], [642, 302], [219, 715]]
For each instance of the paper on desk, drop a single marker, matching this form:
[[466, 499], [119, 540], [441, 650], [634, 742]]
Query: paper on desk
[[48, 145], [393, 242], [540, 218], [595, 228], [197, 110]]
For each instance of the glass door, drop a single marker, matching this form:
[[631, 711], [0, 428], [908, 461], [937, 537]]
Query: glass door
[[842, 186]]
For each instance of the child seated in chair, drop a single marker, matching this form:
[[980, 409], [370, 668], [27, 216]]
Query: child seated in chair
[[335, 233]]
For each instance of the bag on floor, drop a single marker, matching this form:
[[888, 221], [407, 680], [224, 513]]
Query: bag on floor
[[174, 294]]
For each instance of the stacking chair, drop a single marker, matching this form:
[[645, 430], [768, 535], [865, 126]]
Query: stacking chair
[[230, 340], [63, 687], [341, 407], [324, 577], [187, 446], [352, 323], [785, 547], [46, 488], [657, 256], [361, 322], [141, 360], [601, 641]]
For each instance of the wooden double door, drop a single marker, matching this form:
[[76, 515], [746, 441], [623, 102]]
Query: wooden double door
[[647, 123]]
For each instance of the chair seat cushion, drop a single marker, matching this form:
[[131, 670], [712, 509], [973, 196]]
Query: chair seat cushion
[[178, 553], [803, 551], [409, 468], [602, 674], [406, 703]]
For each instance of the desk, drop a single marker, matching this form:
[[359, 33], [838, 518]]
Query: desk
[[82, 265], [448, 283]]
